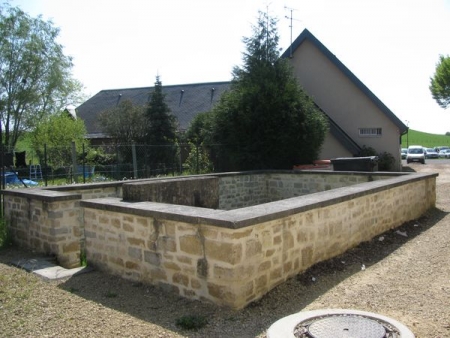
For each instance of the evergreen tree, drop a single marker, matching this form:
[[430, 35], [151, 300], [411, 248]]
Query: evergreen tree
[[266, 120], [161, 132]]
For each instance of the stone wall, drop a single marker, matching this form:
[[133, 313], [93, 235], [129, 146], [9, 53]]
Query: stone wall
[[46, 223], [231, 257], [49, 221], [234, 257], [200, 191], [239, 191]]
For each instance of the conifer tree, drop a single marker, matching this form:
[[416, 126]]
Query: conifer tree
[[266, 120], [161, 132]]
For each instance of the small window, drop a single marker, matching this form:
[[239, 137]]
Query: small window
[[370, 132]]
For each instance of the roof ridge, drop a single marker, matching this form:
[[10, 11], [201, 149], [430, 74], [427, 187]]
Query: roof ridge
[[168, 86]]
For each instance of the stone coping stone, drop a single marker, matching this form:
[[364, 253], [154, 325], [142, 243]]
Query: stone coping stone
[[247, 216], [47, 269], [43, 194]]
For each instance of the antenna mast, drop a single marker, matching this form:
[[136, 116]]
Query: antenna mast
[[291, 10]]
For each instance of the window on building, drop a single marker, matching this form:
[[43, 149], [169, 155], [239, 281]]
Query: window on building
[[370, 132]]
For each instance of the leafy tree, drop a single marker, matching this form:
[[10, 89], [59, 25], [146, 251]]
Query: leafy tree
[[57, 132], [200, 129], [266, 120], [198, 161], [35, 75], [125, 123], [161, 127], [440, 82]]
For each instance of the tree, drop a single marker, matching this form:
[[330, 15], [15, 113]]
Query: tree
[[266, 120], [35, 75], [125, 123], [57, 132], [161, 127], [440, 82], [200, 129]]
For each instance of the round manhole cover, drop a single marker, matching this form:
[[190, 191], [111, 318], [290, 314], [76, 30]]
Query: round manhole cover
[[346, 326], [338, 323]]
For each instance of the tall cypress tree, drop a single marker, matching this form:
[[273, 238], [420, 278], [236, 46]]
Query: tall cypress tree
[[161, 134], [266, 120]]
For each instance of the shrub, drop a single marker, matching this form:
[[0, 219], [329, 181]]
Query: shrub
[[191, 322], [385, 160], [5, 236]]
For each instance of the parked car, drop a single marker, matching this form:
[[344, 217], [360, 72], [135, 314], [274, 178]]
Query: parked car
[[404, 152], [440, 148], [415, 154], [444, 153], [431, 153]]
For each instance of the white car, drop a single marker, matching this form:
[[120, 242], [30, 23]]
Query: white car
[[415, 154], [445, 153], [431, 153]]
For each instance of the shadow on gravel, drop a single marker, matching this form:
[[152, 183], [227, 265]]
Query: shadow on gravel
[[156, 306]]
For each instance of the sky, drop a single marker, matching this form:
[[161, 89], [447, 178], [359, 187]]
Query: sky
[[392, 46]]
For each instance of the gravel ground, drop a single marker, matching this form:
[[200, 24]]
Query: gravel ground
[[405, 277]]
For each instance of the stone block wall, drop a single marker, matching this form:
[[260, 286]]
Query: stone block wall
[[239, 191], [200, 191], [48, 224], [231, 257], [49, 221], [234, 257]]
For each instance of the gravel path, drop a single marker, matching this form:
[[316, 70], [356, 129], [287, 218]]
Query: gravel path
[[405, 277]]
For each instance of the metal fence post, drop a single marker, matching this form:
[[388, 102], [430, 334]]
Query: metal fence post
[[83, 159], [45, 164], [196, 159], [74, 162], [133, 154]]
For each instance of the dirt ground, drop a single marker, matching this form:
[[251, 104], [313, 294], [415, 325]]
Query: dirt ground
[[403, 275]]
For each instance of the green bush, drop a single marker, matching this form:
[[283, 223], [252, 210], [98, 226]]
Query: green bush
[[5, 236], [385, 160], [191, 322]]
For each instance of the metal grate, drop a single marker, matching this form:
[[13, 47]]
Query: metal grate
[[345, 326]]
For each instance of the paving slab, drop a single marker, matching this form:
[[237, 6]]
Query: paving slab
[[47, 269]]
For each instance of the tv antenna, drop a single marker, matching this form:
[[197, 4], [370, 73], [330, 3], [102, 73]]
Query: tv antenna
[[290, 26]]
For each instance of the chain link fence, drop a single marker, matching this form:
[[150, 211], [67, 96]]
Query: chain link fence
[[72, 163]]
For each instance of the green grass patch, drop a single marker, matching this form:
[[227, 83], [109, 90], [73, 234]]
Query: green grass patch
[[111, 294], [424, 139], [191, 322], [5, 235]]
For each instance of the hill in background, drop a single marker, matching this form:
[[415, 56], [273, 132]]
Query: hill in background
[[415, 137]]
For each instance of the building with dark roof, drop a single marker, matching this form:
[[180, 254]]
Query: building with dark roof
[[184, 101], [357, 117]]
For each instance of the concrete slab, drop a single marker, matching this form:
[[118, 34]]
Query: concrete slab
[[47, 269]]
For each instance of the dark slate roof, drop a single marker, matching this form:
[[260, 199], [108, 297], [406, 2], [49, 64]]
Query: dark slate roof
[[307, 35], [185, 101]]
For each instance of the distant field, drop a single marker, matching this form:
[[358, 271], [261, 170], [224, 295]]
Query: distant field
[[425, 139]]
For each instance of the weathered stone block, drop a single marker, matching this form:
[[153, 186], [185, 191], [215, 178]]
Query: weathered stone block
[[191, 245], [179, 278], [152, 257], [224, 252]]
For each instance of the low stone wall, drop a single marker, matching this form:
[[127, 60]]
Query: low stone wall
[[50, 221], [234, 257], [252, 188], [229, 256], [200, 191]]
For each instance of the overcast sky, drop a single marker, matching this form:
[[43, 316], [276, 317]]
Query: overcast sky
[[392, 46]]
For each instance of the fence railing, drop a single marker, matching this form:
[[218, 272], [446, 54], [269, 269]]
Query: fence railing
[[74, 163]]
